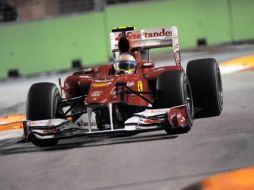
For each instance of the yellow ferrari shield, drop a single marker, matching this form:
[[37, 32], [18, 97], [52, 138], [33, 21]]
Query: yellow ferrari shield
[[140, 86]]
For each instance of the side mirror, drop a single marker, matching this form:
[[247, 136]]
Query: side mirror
[[88, 70], [147, 65]]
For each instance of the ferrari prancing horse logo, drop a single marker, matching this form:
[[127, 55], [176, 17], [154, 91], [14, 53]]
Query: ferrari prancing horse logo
[[140, 86]]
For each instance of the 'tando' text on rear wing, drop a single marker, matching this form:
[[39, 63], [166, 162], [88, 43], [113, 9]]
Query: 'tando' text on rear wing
[[149, 38]]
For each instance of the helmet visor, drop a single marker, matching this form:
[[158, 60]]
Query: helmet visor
[[126, 65]]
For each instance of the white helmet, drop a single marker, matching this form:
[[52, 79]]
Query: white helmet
[[125, 64]]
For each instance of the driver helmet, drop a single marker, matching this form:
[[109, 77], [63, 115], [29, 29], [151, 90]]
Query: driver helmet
[[125, 64]]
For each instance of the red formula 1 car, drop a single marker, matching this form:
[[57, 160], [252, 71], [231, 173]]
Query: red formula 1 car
[[127, 97]]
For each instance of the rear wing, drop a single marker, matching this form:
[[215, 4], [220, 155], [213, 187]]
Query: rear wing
[[147, 39]]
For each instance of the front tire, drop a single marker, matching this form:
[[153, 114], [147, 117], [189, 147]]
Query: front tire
[[42, 103], [173, 89], [206, 85]]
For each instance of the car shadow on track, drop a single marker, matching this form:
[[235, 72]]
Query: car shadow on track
[[11, 147]]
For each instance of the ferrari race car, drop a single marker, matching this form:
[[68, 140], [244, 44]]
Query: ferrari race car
[[106, 101]]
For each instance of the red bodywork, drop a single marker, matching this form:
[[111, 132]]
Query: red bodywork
[[100, 84]]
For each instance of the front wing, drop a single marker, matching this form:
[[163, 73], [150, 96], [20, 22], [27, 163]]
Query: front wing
[[148, 120]]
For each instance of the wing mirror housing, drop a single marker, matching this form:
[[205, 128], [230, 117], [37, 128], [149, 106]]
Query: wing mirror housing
[[147, 65]]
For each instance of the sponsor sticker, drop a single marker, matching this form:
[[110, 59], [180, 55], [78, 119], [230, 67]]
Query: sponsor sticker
[[130, 83], [140, 86], [96, 93], [101, 84], [146, 34]]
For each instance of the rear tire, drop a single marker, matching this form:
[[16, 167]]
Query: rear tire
[[173, 89], [42, 103], [206, 85]]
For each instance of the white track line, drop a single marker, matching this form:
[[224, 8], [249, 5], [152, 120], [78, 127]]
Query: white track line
[[232, 69], [15, 133]]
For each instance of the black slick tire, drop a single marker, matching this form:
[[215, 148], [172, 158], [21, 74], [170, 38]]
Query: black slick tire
[[42, 103], [206, 85], [173, 89]]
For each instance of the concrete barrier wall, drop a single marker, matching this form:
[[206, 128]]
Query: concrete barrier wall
[[52, 44], [46, 45], [242, 19]]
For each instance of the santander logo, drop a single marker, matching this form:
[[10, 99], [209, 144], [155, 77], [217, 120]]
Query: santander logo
[[147, 34]]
